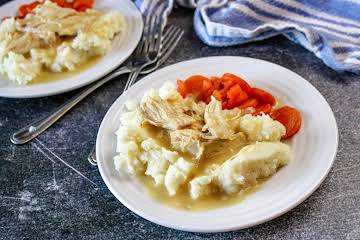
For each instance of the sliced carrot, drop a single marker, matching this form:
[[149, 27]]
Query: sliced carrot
[[207, 84], [81, 5], [290, 118], [265, 108], [217, 94], [207, 87], [232, 103], [262, 96], [234, 91], [208, 99], [195, 83], [252, 102], [63, 3], [227, 84], [181, 88], [22, 11], [32, 6], [224, 104], [243, 84], [216, 82], [81, 9]]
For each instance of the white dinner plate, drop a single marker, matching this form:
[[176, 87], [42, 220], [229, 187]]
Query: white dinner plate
[[313, 148], [123, 45]]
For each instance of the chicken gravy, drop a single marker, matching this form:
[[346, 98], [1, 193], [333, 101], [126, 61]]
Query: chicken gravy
[[216, 152], [49, 76]]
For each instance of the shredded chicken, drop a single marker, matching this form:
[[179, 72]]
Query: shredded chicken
[[171, 115], [221, 124], [189, 141], [24, 42], [51, 21], [49, 26]]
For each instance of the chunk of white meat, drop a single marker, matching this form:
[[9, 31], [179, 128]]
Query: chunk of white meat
[[188, 141], [50, 21], [166, 114], [261, 128], [253, 162], [22, 43], [177, 175], [222, 124]]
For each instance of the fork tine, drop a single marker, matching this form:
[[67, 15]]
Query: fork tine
[[171, 38], [170, 31], [160, 35], [146, 34], [152, 33], [142, 43], [167, 32], [168, 50]]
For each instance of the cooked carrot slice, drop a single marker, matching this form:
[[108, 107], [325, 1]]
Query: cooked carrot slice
[[195, 83], [216, 82], [243, 84], [208, 89], [32, 6], [208, 99], [234, 91], [262, 96], [22, 11], [227, 84], [265, 108], [232, 103], [290, 118], [63, 3], [82, 5], [181, 88], [235, 96], [217, 94], [252, 102]]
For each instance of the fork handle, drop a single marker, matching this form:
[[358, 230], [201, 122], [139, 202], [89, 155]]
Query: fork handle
[[35, 128]]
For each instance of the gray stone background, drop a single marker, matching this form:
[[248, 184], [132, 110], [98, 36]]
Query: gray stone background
[[42, 198]]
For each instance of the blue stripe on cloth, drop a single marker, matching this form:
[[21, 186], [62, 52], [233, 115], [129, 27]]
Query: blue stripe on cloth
[[330, 29]]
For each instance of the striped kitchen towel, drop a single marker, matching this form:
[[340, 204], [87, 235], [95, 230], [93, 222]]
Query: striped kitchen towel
[[330, 28]]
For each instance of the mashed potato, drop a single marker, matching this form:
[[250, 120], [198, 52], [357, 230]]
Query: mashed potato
[[261, 128], [251, 163], [139, 153], [29, 45]]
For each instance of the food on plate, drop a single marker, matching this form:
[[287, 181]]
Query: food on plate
[[54, 36], [205, 138]]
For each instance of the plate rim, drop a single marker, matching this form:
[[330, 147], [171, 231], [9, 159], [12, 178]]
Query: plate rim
[[28, 93], [240, 226]]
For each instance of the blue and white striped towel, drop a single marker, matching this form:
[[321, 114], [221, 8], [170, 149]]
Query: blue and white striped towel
[[330, 29]]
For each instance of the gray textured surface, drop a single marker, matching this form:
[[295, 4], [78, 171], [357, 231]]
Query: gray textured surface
[[40, 197]]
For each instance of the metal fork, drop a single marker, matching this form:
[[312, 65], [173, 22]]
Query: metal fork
[[147, 52], [170, 39], [168, 46]]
